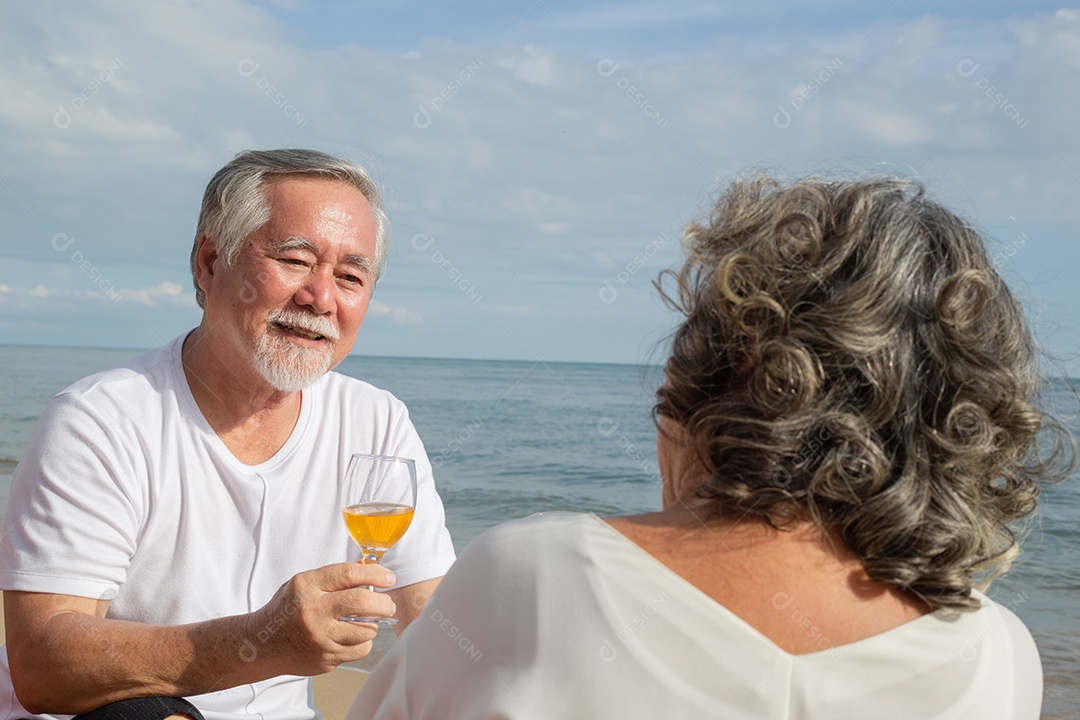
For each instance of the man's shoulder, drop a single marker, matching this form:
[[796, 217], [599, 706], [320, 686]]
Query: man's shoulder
[[146, 372]]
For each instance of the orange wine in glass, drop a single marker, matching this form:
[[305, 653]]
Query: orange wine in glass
[[382, 500]]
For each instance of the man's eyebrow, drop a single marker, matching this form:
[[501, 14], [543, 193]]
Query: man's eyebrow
[[358, 260], [293, 243]]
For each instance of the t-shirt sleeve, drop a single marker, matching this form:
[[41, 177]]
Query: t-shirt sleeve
[[426, 550], [71, 521]]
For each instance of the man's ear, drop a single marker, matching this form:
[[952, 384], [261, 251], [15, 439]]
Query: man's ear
[[206, 257]]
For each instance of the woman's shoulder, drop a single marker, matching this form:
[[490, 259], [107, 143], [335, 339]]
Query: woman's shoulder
[[512, 557], [521, 545], [542, 526], [994, 624]]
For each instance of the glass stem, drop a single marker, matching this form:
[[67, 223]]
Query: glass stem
[[369, 558]]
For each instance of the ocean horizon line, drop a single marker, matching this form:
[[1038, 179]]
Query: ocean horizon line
[[534, 361]]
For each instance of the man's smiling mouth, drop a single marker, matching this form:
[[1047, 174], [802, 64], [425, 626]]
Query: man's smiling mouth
[[303, 327], [302, 332]]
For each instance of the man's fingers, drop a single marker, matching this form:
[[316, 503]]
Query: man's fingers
[[351, 634], [363, 603], [340, 576]]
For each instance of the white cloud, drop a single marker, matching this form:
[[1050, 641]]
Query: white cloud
[[165, 292], [887, 126], [398, 315], [531, 65]]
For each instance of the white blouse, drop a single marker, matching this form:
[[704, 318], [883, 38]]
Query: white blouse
[[561, 616]]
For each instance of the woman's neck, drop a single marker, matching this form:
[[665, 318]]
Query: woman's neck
[[760, 573]]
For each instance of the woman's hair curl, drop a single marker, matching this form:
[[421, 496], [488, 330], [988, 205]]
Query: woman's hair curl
[[849, 355]]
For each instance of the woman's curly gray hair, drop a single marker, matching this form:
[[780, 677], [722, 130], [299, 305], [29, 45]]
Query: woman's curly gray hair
[[850, 356]]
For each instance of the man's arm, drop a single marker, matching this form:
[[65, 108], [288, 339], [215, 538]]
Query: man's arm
[[66, 657], [410, 601]]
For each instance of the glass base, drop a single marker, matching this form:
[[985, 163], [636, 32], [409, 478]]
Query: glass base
[[378, 620]]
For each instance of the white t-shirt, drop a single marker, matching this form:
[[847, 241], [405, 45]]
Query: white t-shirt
[[126, 493], [561, 616]]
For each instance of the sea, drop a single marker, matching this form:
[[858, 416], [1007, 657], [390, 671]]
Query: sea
[[508, 439]]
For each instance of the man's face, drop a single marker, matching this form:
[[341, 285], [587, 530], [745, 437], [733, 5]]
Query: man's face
[[293, 300]]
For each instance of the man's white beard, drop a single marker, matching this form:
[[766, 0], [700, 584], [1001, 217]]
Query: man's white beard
[[288, 367]]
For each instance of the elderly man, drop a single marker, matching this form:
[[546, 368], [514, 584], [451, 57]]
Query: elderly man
[[173, 527]]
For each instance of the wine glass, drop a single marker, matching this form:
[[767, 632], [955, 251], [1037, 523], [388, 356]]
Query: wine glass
[[381, 497]]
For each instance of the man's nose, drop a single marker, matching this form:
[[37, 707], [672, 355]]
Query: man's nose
[[317, 291]]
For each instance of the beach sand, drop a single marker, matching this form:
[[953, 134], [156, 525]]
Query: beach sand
[[334, 691]]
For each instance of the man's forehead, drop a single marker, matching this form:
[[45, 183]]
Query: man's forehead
[[337, 214], [314, 183], [296, 201]]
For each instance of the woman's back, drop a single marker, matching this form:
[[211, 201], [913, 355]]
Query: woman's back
[[560, 616]]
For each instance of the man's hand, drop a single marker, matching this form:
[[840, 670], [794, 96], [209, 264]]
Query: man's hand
[[67, 657], [299, 628]]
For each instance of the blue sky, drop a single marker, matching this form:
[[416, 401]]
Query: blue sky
[[538, 158]]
